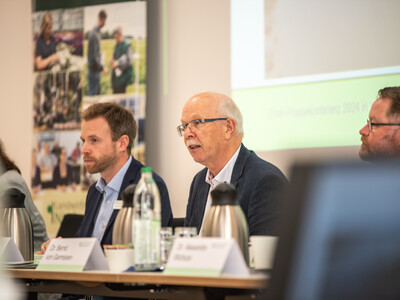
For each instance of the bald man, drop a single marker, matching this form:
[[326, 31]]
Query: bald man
[[212, 128]]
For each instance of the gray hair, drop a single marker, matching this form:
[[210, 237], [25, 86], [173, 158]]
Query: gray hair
[[229, 109]]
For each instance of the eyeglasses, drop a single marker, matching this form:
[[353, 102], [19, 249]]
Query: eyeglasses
[[370, 124], [195, 124]]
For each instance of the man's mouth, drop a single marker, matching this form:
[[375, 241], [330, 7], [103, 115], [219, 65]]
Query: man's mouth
[[87, 160], [363, 141], [192, 145]]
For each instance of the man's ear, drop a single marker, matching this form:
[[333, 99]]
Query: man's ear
[[230, 128], [123, 142]]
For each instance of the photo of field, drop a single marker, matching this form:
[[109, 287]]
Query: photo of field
[[131, 18], [139, 50]]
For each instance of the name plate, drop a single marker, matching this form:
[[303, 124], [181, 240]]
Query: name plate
[[9, 252], [118, 204], [73, 254], [206, 257]]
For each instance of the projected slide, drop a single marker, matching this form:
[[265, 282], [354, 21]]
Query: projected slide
[[304, 73]]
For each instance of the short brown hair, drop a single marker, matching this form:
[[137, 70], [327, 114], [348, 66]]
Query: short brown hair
[[393, 93], [102, 14], [119, 119], [7, 162]]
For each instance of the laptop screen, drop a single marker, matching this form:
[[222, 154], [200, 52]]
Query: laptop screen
[[340, 234]]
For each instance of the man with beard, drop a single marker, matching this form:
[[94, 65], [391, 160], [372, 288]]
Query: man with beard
[[380, 137], [107, 133], [211, 125]]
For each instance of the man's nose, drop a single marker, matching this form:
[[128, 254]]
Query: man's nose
[[365, 130], [84, 148], [188, 132]]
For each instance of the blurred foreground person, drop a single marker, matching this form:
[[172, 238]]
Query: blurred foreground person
[[11, 178], [212, 130], [380, 137]]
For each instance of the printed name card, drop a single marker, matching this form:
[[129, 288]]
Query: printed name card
[[9, 252], [73, 254], [206, 256]]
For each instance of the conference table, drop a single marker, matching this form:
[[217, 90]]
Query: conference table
[[147, 285]]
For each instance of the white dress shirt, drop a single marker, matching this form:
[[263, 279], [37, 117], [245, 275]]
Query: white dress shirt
[[223, 176], [110, 195]]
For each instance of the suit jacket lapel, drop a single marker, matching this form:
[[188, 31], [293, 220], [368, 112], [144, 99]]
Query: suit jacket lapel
[[239, 165], [132, 174], [200, 204], [94, 212]]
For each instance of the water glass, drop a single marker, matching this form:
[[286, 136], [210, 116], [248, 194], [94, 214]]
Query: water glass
[[165, 244], [185, 232]]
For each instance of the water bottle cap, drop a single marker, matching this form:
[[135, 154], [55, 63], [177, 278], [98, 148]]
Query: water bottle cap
[[13, 198], [146, 170], [127, 195], [224, 194]]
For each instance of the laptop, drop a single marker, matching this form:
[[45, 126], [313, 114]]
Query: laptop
[[339, 233]]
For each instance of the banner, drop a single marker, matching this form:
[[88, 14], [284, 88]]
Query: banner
[[82, 55]]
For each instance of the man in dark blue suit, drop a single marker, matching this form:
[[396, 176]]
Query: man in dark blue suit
[[212, 129], [107, 134]]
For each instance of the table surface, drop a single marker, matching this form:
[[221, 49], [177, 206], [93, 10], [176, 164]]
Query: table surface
[[254, 281]]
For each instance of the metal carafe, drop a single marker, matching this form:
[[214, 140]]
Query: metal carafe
[[123, 226], [15, 222], [226, 218]]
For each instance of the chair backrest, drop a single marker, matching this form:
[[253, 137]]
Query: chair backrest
[[69, 225], [177, 222]]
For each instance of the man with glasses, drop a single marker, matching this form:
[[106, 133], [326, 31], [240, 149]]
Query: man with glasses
[[212, 128], [380, 137]]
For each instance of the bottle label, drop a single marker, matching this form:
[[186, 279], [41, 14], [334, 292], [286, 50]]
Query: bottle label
[[141, 245], [155, 236]]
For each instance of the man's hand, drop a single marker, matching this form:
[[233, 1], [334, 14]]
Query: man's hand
[[45, 245]]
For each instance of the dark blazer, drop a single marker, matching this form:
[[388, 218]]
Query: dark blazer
[[259, 184], [93, 201]]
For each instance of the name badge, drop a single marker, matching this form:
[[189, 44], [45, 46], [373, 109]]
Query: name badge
[[118, 204]]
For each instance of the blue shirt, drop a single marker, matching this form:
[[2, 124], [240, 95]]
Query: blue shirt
[[110, 195]]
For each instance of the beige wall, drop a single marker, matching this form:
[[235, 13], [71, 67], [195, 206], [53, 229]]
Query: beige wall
[[198, 55], [198, 59], [16, 81]]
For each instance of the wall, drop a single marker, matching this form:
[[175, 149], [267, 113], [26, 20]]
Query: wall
[[197, 59], [16, 81]]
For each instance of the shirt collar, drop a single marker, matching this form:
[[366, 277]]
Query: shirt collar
[[116, 182], [225, 174]]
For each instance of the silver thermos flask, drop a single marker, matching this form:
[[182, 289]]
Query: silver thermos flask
[[226, 218], [123, 226], [15, 222]]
